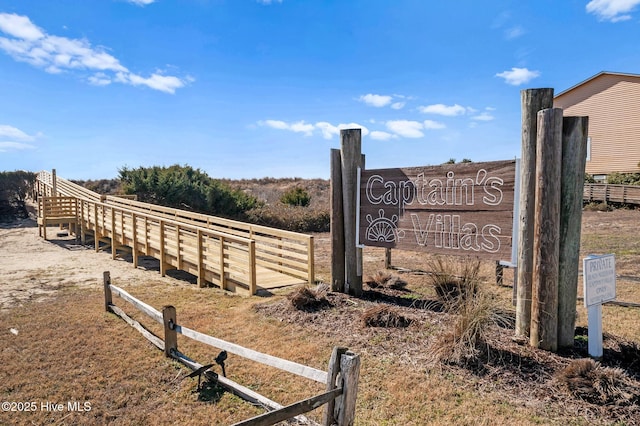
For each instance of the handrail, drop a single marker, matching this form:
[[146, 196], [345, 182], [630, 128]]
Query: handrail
[[604, 192]]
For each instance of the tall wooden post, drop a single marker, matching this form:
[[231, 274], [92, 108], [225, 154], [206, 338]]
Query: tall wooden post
[[532, 101], [337, 224], [574, 157], [546, 245], [54, 183], [351, 150]]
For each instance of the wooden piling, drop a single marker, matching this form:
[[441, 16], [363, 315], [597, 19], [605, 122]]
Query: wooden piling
[[532, 101], [337, 224], [351, 150], [574, 157], [546, 245]]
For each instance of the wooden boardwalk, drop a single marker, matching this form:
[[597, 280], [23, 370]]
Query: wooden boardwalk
[[602, 192], [232, 255]]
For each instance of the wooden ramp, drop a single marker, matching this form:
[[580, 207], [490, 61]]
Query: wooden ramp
[[231, 255]]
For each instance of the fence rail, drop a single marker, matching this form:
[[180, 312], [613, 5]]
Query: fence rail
[[229, 254], [627, 194], [341, 379]]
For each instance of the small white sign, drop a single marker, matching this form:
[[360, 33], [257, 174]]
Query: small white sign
[[599, 274]]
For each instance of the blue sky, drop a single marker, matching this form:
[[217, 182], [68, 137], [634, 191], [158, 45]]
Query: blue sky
[[255, 88]]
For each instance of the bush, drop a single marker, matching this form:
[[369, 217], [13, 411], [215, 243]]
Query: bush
[[185, 188], [296, 197], [14, 189], [623, 178], [297, 219], [454, 281]]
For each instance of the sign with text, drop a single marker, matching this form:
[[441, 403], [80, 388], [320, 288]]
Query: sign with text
[[599, 273], [455, 209]]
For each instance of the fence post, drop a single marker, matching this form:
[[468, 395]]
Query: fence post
[[350, 373], [499, 273], [170, 335], [310, 261], [108, 298], [387, 258], [546, 245], [334, 369], [252, 268]]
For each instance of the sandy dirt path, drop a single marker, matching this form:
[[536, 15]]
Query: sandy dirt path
[[34, 269]]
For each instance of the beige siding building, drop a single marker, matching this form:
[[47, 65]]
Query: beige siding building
[[612, 102]]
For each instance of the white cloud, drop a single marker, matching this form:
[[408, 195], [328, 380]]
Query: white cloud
[[612, 10], [19, 26], [141, 2], [433, 125], [442, 109], [406, 128], [377, 101], [483, 116], [10, 132], [382, 136], [398, 105], [99, 79], [14, 146], [327, 129], [518, 76], [13, 139], [29, 43], [514, 32]]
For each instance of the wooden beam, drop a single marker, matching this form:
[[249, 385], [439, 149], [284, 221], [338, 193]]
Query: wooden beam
[[546, 245], [574, 157], [337, 224], [532, 101], [141, 306], [282, 364], [292, 410], [351, 150], [135, 324]]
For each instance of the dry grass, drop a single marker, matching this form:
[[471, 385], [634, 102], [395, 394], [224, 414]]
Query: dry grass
[[307, 299], [385, 279], [385, 316], [68, 348], [589, 380], [455, 280]]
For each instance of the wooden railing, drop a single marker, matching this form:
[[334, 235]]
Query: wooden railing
[[286, 252], [341, 379], [56, 211], [224, 252], [627, 194], [226, 260]]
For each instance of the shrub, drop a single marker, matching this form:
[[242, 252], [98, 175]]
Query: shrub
[[185, 188], [296, 196], [623, 178], [14, 189], [298, 219]]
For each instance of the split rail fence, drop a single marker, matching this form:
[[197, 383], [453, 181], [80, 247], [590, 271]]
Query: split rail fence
[[232, 255], [341, 379]]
